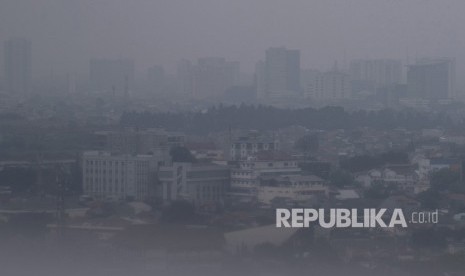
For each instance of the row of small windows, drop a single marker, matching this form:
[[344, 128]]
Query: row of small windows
[[270, 164], [305, 183], [115, 187], [105, 163], [208, 174], [242, 174], [279, 192], [92, 170], [252, 145], [286, 164], [103, 188], [240, 182], [209, 192], [90, 179]]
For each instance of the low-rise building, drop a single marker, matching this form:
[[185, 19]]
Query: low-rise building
[[119, 176], [201, 184], [247, 146], [404, 177], [296, 188], [245, 177]]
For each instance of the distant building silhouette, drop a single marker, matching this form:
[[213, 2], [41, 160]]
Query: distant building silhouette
[[312, 84], [185, 78], [112, 75], [212, 76], [279, 75], [432, 79], [336, 85], [260, 80], [17, 65], [371, 74], [156, 78], [331, 85]]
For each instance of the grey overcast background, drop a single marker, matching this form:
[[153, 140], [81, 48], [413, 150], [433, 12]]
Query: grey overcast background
[[66, 33]]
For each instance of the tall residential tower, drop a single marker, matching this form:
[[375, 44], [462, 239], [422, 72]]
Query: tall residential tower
[[432, 79], [280, 74]]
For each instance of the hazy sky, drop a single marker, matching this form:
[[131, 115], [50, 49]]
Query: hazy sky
[[66, 33]]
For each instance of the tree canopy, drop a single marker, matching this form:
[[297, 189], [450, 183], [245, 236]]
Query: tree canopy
[[261, 117]]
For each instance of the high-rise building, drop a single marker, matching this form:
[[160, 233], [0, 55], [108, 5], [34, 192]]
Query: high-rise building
[[260, 80], [233, 74], [281, 73], [156, 78], [336, 85], [115, 75], [312, 84], [330, 85], [185, 78], [432, 79], [375, 73], [17, 65]]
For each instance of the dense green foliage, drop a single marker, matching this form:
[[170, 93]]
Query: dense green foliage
[[182, 154], [368, 162]]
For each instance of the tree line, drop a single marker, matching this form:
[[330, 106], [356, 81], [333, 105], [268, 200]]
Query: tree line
[[259, 117]]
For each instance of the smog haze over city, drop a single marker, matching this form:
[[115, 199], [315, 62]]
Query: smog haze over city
[[67, 33], [246, 137]]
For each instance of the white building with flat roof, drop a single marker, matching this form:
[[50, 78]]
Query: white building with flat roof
[[245, 177], [249, 145], [119, 176], [297, 188]]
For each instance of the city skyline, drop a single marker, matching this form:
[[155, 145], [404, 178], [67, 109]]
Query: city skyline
[[278, 77], [66, 35], [245, 137]]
